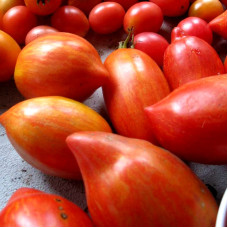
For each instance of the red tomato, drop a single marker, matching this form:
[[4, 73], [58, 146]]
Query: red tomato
[[5, 5], [1, 16], [38, 31], [70, 19], [188, 59], [9, 51], [192, 26], [224, 2], [191, 122], [46, 8], [143, 17], [125, 3], [84, 5], [219, 25], [18, 21], [172, 8], [152, 44], [106, 17], [225, 64], [206, 9], [39, 209]]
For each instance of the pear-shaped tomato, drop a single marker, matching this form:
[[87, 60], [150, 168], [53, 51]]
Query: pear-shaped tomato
[[190, 58], [131, 182], [60, 64], [135, 81], [38, 127], [29, 207], [191, 121]]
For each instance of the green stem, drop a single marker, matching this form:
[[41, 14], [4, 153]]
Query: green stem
[[43, 1], [129, 42]]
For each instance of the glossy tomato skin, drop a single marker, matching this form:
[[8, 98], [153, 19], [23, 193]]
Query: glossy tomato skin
[[39, 209], [38, 31], [132, 70], [206, 9], [191, 122], [118, 173], [5, 5], [70, 19], [172, 8], [106, 17], [9, 51], [219, 25], [18, 21], [143, 17], [192, 26], [64, 64], [126, 3], [188, 59], [37, 128], [43, 9]]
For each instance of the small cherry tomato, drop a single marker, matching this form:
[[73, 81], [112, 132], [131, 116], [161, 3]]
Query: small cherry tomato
[[106, 17], [38, 31], [152, 44], [206, 9], [5, 5], [126, 3], [18, 21], [193, 26], [143, 17], [46, 8], [70, 19], [9, 51]]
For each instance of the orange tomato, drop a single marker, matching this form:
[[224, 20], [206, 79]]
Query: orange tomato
[[5, 5]]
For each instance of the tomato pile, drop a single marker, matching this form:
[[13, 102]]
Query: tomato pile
[[165, 95]]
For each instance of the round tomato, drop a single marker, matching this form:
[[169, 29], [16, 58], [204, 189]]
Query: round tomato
[[193, 26], [172, 8], [38, 31], [84, 5], [9, 51], [106, 17], [7, 4], [70, 19], [126, 3], [152, 44], [206, 9], [43, 7], [18, 21]]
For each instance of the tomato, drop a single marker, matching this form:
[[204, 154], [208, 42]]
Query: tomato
[[5, 5], [192, 26], [70, 19], [64, 64], [38, 31], [191, 122], [132, 183], [219, 25], [143, 17], [152, 44], [85, 5], [46, 8], [49, 119], [9, 51], [132, 70], [32, 207], [126, 3], [106, 17], [1, 16], [172, 8], [188, 59], [225, 64], [224, 2], [18, 21], [206, 9]]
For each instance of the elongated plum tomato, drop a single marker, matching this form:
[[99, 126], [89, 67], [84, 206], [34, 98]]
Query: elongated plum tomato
[[191, 121], [130, 182], [172, 8], [192, 26], [31, 207], [126, 3], [152, 44], [47, 8], [38, 127], [60, 64], [106, 17], [143, 17], [188, 59], [9, 51]]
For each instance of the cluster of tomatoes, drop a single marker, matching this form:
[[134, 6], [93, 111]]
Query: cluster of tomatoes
[[160, 92]]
